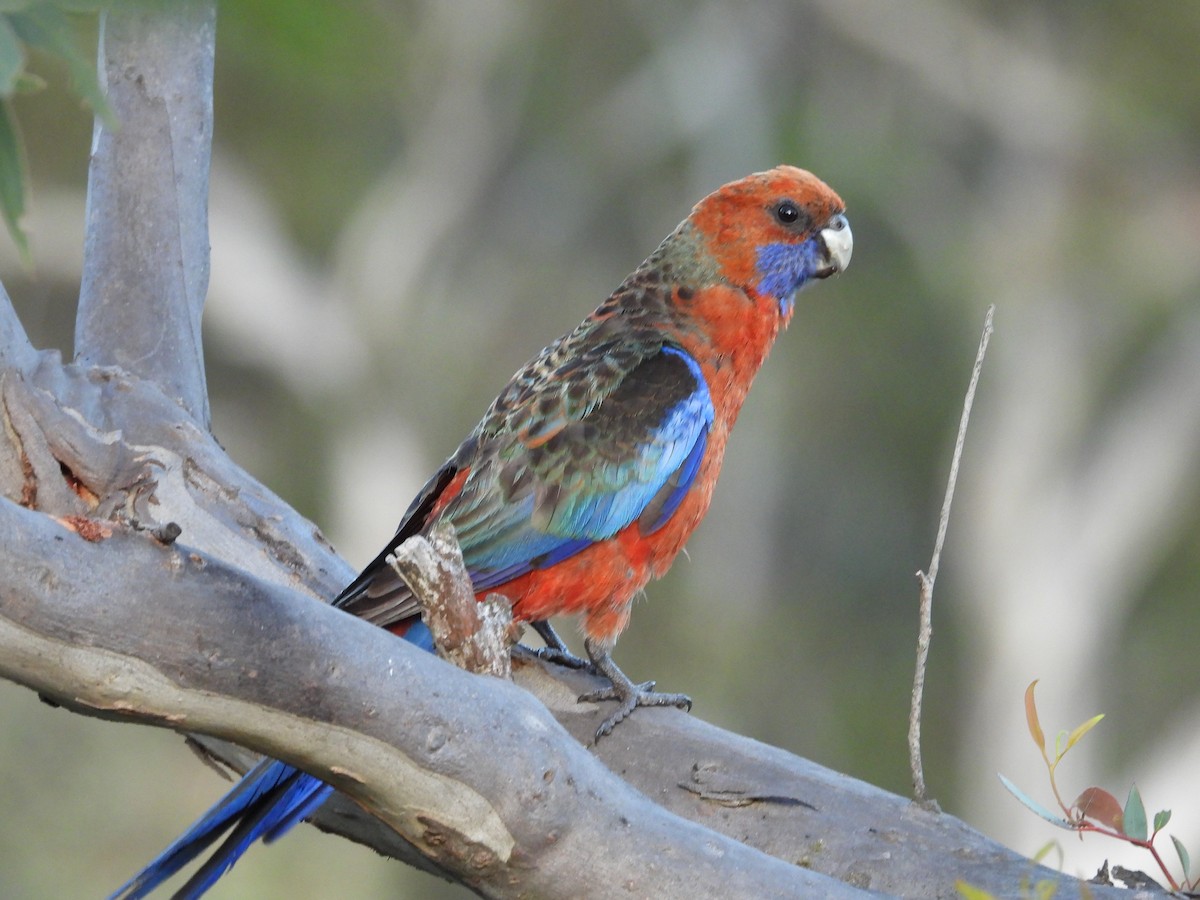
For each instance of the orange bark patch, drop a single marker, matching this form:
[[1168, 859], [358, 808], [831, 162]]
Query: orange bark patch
[[91, 530]]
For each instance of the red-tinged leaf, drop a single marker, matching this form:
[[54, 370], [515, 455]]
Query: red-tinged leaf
[[1183, 857], [1161, 818], [1082, 730], [970, 892], [1100, 806], [1135, 815], [1031, 717], [1033, 805]]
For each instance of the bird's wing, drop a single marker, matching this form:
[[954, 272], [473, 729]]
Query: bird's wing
[[559, 463]]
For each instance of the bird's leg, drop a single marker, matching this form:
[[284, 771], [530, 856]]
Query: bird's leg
[[629, 695], [556, 650]]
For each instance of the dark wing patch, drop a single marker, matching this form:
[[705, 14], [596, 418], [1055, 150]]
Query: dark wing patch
[[562, 460], [539, 500], [377, 594]]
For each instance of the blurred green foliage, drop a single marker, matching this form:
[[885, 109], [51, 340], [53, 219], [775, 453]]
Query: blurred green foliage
[[410, 198], [36, 25]]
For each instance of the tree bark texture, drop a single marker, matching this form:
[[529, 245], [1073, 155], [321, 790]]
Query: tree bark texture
[[149, 173]]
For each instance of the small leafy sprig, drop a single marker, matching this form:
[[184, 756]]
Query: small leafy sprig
[[1095, 809]]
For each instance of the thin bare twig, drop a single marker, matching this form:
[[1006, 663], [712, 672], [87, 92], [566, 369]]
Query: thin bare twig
[[927, 580]]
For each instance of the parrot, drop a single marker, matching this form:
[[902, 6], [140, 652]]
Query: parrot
[[589, 471]]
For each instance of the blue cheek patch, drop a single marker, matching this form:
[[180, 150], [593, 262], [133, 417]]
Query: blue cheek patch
[[784, 268]]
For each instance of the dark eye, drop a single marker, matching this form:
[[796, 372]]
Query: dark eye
[[786, 212]]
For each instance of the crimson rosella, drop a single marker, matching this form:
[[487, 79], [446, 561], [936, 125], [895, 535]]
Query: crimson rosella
[[588, 473]]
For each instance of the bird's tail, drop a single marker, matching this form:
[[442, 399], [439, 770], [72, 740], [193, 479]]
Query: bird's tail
[[270, 799]]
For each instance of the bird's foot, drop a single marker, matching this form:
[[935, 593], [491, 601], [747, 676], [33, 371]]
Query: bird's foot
[[637, 695], [628, 695], [556, 650], [563, 658]]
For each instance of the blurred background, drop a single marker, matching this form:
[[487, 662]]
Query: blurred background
[[409, 199]]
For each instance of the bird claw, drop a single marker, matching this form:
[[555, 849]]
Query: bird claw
[[611, 693], [563, 658], [629, 695], [556, 650], [641, 695]]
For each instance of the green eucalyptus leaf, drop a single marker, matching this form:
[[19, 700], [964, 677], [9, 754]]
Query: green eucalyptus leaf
[[12, 58], [1161, 818], [1184, 860], [1060, 745], [1032, 805], [12, 179], [1044, 851], [48, 28], [1083, 729], [1135, 815]]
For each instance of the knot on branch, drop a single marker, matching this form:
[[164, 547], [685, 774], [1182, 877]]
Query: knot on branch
[[473, 635], [58, 461]]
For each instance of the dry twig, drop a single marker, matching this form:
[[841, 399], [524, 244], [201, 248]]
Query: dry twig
[[927, 579], [471, 635]]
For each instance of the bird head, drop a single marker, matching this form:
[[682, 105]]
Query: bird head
[[772, 232]]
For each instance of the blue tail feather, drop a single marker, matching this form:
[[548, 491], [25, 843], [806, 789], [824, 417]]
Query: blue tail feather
[[294, 798], [266, 803], [269, 799]]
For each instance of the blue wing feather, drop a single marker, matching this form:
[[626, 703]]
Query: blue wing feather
[[551, 523], [678, 484]]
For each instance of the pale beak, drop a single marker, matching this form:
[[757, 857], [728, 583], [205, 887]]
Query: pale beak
[[839, 246]]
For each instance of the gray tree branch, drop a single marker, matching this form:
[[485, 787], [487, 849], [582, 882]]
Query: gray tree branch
[[145, 280], [16, 352], [471, 770]]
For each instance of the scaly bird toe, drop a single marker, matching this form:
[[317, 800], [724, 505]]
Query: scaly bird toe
[[638, 695], [556, 650], [628, 695], [562, 658]]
